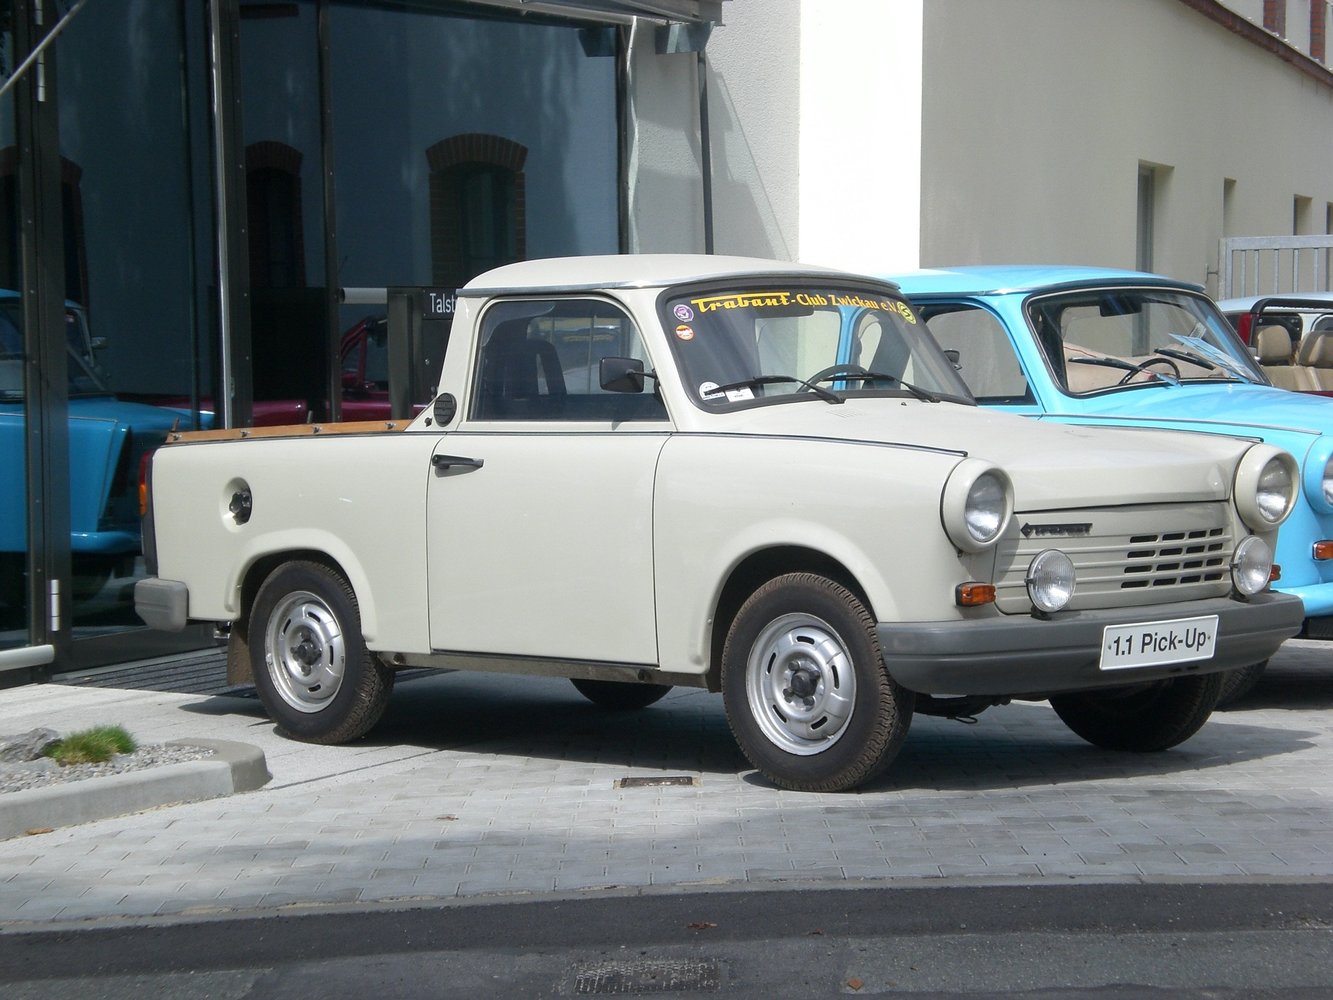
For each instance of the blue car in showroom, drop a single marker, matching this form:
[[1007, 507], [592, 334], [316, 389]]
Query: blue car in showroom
[[1130, 349], [109, 439]]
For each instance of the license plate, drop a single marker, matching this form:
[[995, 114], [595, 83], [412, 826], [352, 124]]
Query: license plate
[[1149, 644]]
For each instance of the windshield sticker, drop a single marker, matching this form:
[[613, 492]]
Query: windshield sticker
[[710, 391], [685, 332], [683, 313], [781, 299]]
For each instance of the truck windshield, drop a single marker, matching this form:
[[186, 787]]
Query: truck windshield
[[781, 342], [1113, 338], [83, 380]]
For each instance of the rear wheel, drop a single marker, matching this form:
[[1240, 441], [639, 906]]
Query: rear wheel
[[806, 693], [620, 696], [1142, 718], [312, 670]]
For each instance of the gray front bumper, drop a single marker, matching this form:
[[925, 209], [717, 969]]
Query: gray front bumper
[[1040, 656]]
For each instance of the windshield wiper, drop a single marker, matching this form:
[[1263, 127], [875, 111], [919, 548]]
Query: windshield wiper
[[866, 376], [1126, 366], [1219, 359], [750, 383]]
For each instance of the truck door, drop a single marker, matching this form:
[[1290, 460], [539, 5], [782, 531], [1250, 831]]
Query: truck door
[[539, 537]]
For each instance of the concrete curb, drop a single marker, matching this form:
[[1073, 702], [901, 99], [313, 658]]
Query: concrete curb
[[234, 767]]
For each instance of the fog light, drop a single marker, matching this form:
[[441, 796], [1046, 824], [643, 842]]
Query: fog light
[[1251, 565], [1050, 580]]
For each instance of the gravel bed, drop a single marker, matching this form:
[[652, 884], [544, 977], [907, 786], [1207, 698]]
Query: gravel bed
[[41, 773]]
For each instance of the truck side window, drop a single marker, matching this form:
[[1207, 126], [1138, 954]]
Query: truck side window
[[540, 360]]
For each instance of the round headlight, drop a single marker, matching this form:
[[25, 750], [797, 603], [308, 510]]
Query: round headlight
[[1266, 483], [1050, 580], [1273, 496], [1328, 482], [976, 505], [985, 509], [1251, 565]]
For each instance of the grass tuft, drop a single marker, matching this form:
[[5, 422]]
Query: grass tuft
[[91, 746]]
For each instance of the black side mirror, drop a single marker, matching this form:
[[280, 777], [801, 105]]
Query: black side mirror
[[621, 375]]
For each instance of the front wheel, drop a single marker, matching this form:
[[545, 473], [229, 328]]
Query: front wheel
[[1142, 718], [806, 692], [312, 671], [1236, 684]]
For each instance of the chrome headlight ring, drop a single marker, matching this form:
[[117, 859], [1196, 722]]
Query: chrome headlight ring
[[977, 505]]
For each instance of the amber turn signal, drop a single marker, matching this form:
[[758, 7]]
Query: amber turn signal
[[971, 595], [1323, 549]]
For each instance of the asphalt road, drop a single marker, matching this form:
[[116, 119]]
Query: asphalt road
[[1079, 940]]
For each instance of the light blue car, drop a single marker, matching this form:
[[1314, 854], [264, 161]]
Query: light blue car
[[1123, 348], [108, 441]]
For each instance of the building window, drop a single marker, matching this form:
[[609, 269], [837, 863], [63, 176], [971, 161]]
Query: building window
[[477, 206], [1275, 16], [273, 212], [71, 203], [1318, 29], [1143, 255]]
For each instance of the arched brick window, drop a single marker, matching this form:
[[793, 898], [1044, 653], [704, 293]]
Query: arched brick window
[[273, 211], [477, 206]]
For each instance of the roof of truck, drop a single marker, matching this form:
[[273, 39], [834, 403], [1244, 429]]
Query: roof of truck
[[630, 271]]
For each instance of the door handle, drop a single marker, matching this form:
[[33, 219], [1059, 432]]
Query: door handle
[[443, 463]]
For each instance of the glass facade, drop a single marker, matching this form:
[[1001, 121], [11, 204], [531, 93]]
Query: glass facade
[[13, 404], [225, 236]]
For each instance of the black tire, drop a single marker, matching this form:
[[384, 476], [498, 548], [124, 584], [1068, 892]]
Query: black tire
[[806, 693], [1143, 718], [312, 671], [1236, 684], [619, 696]]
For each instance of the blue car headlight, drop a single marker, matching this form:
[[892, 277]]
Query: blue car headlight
[[1317, 475]]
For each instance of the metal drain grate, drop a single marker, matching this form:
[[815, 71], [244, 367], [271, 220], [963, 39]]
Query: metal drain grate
[[646, 975], [654, 781]]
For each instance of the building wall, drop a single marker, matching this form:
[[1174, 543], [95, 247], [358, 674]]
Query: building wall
[[1038, 114], [880, 136]]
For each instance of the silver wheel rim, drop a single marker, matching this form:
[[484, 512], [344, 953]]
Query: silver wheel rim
[[801, 685], [305, 652]]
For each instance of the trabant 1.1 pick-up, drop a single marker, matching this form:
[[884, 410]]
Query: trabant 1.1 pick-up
[[754, 477]]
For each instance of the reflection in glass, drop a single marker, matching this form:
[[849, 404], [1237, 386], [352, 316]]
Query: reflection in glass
[[13, 411], [130, 246]]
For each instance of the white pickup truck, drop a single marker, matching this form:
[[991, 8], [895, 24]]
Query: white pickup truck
[[753, 477]]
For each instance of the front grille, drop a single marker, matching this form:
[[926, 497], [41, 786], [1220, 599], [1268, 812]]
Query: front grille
[[1130, 556]]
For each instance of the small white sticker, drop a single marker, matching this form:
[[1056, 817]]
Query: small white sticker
[[710, 390]]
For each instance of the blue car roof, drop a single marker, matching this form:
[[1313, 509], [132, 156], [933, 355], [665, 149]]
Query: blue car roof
[[982, 279]]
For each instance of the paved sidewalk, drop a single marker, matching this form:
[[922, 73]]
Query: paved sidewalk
[[476, 785]]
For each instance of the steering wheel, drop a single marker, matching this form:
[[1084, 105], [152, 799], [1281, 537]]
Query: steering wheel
[[1146, 365], [824, 374]]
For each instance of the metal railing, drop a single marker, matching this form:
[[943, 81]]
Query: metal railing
[[1271, 265]]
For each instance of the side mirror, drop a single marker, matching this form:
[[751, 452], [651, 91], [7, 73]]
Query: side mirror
[[621, 375]]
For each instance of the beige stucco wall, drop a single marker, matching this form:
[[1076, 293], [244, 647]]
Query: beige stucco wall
[[1038, 114]]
